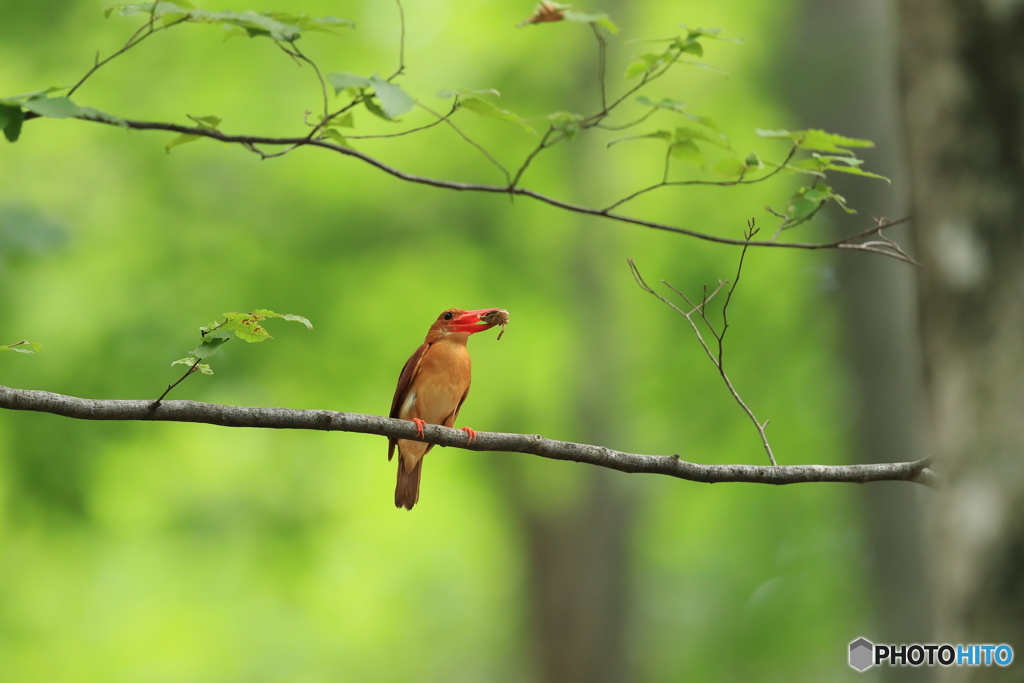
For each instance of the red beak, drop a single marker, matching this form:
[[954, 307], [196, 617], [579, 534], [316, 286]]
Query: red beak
[[472, 321]]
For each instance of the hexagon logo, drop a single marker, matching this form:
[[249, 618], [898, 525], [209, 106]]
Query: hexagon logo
[[861, 651]]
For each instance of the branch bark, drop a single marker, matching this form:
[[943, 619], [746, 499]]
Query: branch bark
[[533, 444], [856, 242]]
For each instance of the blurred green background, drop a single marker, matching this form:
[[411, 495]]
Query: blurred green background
[[174, 552]]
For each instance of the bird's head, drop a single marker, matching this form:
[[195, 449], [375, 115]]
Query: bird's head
[[460, 323]]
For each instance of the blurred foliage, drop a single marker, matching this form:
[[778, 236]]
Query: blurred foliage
[[170, 552]]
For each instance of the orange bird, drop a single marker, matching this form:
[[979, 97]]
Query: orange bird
[[432, 387]]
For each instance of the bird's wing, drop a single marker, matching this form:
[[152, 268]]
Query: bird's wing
[[405, 379]]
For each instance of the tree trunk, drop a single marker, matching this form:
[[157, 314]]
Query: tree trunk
[[852, 89], [963, 88]]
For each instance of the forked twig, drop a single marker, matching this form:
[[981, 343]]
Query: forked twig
[[701, 310]]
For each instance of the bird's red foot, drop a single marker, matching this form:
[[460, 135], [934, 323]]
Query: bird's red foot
[[419, 426], [471, 435]]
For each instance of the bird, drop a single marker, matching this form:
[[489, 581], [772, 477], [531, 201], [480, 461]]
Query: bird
[[432, 387]]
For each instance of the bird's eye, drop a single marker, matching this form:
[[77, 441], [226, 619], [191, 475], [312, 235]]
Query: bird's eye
[[448, 315]]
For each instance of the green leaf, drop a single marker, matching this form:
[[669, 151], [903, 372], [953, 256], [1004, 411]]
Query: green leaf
[[209, 346], [729, 167], [184, 361], [343, 121], [688, 151], [208, 122], [599, 18], [23, 347], [97, 115], [393, 100], [181, 139], [646, 63], [335, 134], [818, 139], [672, 105], [340, 80], [205, 369], [53, 107], [688, 133], [753, 160], [374, 108], [665, 135], [246, 326], [448, 94], [286, 316], [18, 100], [856, 171], [11, 118], [482, 107], [691, 46], [275, 25]]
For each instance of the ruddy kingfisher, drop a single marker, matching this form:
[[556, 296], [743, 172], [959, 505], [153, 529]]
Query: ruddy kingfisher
[[432, 388]]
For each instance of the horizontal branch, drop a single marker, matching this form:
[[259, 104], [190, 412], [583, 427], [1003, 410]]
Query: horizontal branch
[[534, 444], [850, 242]]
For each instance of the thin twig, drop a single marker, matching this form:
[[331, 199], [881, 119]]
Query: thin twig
[[711, 183], [541, 146], [468, 139], [717, 358], [191, 369], [631, 124], [405, 132], [319, 77], [401, 43], [146, 30], [602, 53]]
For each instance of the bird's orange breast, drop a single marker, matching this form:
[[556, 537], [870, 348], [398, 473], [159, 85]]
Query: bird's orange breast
[[437, 390]]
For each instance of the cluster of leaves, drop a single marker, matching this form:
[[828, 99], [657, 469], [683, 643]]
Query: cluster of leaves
[[698, 142], [24, 346], [281, 26], [13, 110], [689, 44], [245, 326], [838, 156], [381, 98]]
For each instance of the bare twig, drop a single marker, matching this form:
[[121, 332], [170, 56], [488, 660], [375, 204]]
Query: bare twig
[[401, 43], [717, 357], [192, 368], [602, 54], [712, 183], [405, 132], [533, 444], [468, 139], [143, 32], [319, 76]]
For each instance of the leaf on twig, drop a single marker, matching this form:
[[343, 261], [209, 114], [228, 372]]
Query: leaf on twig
[[482, 107], [275, 25], [24, 346], [732, 167], [340, 80], [679, 107], [12, 111], [11, 117], [393, 99], [206, 122], [818, 140]]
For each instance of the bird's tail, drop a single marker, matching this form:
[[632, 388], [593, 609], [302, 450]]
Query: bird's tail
[[407, 490]]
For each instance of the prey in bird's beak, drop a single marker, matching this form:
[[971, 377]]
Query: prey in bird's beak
[[479, 320]]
